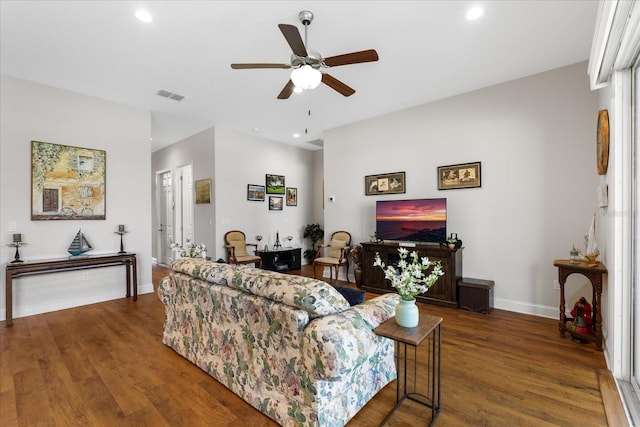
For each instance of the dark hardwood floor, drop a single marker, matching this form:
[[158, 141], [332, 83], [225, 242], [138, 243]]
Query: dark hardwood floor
[[105, 365]]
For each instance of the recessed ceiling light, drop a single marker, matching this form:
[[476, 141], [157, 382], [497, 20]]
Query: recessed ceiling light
[[296, 135], [256, 129], [297, 89], [474, 13], [143, 16]]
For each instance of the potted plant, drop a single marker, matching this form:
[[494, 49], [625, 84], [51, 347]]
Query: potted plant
[[451, 242], [411, 277], [190, 250], [314, 233]]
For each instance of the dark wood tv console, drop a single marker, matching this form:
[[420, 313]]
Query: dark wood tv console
[[284, 259], [443, 292]]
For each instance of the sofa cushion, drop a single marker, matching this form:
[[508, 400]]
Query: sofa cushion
[[353, 296], [316, 297], [202, 269]]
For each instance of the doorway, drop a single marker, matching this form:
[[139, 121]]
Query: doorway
[[165, 217], [184, 231]]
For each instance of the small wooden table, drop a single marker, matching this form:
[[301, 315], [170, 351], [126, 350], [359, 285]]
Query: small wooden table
[[594, 274], [429, 328], [30, 268]]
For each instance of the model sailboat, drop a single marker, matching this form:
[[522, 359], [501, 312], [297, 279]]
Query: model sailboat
[[79, 245]]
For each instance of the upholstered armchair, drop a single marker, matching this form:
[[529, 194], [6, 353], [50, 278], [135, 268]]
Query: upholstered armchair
[[236, 244], [336, 256]]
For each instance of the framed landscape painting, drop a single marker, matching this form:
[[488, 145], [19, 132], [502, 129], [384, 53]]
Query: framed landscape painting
[[255, 192], [275, 184], [275, 203], [67, 182]]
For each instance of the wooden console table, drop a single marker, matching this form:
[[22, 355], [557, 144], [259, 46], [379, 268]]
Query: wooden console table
[[30, 268], [594, 274], [429, 328]]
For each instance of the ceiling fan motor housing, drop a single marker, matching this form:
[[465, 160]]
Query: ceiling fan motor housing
[[305, 17], [313, 58]]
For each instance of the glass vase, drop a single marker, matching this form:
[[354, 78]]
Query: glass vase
[[407, 314]]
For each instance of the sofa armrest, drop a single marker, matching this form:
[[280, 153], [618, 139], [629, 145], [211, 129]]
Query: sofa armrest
[[335, 345]]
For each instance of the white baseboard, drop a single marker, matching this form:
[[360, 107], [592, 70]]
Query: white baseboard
[[66, 302], [527, 308]]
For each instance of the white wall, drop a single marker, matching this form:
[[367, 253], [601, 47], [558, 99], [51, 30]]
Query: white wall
[[535, 138], [29, 111], [197, 151], [244, 159]]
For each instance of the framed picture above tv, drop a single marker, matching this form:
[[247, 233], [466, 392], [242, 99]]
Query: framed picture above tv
[[464, 175], [388, 183]]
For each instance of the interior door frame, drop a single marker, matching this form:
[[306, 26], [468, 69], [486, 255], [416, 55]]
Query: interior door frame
[[159, 206]]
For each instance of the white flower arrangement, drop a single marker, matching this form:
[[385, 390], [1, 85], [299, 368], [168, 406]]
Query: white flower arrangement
[[409, 278], [190, 250]]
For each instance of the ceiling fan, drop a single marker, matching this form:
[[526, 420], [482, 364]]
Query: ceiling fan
[[308, 66]]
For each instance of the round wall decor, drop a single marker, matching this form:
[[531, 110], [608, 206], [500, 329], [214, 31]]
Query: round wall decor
[[602, 142]]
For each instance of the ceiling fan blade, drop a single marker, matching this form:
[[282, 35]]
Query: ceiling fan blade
[[337, 85], [292, 35], [287, 90], [369, 55], [258, 65]]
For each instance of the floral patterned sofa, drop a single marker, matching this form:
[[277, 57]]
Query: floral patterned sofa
[[290, 346]]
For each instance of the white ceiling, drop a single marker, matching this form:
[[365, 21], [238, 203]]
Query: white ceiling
[[427, 49]]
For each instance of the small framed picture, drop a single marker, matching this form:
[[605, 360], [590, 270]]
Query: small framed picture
[[464, 175], [203, 191], [389, 183], [275, 184], [255, 192], [275, 203], [292, 196]]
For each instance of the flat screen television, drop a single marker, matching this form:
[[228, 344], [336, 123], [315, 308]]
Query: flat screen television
[[416, 220]]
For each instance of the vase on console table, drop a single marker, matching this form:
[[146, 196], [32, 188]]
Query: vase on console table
[[357, 273], [407, 314]]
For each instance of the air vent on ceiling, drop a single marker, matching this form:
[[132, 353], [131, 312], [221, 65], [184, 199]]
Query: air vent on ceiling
[[170, 95]]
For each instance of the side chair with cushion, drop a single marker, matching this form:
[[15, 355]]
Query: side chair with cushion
[[236, 244], [337, 256]]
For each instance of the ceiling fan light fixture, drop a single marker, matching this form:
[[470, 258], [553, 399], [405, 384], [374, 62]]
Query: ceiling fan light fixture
[[306, 77], [474, 13]]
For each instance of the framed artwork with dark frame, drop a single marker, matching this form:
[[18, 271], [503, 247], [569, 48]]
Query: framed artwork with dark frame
[[388, 183], [292, 196], [67, 182], [275, 184], [203, 191], [255, 192], [275, 203], [463, 175]]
